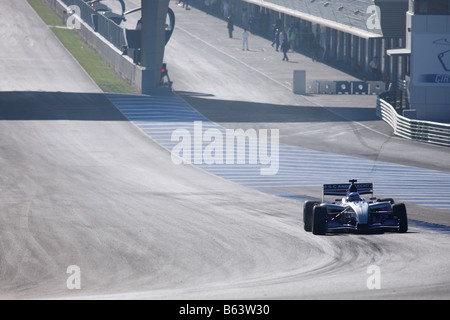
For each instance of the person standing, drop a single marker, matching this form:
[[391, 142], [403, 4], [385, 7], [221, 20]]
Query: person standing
[[292, 36], [316, 47], [282, 37], [374, 68], [226, 9], [285, 48], [276, 40], [245, 35], [230, 27]]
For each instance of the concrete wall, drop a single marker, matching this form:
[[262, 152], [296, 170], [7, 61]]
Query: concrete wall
[[122, 65]]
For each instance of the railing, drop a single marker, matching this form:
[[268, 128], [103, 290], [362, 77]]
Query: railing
[[418, 130], [101, 24]]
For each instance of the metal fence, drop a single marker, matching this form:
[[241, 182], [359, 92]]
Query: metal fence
[[101, 24], [418, 130]]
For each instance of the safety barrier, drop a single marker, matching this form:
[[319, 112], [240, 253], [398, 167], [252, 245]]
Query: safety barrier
[[101, 24], [418, 130], [112, 54]]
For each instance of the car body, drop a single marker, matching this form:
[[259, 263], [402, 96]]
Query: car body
[[353, 213]]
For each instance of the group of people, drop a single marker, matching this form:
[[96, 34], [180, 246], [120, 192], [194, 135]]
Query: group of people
[[245, 34], [279, 38], [185, 3], [294, 38], [282, 41]]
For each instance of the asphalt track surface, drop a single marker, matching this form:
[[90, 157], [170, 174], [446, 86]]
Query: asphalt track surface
[[254, 91], [81, 185]]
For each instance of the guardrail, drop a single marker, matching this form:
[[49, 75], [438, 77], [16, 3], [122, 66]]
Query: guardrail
[[101, 24], [418, 130], [111, 54]]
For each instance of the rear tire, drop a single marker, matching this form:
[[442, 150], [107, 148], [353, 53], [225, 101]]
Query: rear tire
[[399, 211], [319, 226], [308, 214]]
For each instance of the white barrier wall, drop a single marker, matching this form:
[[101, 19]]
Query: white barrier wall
[[430, 66]]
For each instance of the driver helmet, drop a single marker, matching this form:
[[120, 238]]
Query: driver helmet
[[353, 197]]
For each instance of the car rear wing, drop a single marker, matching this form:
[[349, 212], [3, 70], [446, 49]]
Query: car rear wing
[[341, 189]]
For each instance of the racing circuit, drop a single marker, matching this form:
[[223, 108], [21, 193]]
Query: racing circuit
[[87, 179]]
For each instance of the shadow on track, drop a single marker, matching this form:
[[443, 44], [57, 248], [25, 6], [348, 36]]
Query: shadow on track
[[245, 111], [18, 105]]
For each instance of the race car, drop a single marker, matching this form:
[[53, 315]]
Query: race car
[[352, 212]]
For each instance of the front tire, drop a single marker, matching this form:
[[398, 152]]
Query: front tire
[[308, 214], [399, 211], [319, 226]]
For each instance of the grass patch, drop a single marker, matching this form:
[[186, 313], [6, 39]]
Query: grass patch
[[97, 69], [45, 12]]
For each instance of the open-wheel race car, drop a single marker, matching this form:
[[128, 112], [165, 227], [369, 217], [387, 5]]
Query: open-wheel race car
[[353, 212]]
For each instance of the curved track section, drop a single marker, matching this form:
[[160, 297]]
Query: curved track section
[[161, 117], [80, 185], [84, 187]]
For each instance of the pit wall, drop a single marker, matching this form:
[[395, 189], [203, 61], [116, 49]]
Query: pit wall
[[121, 64]]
